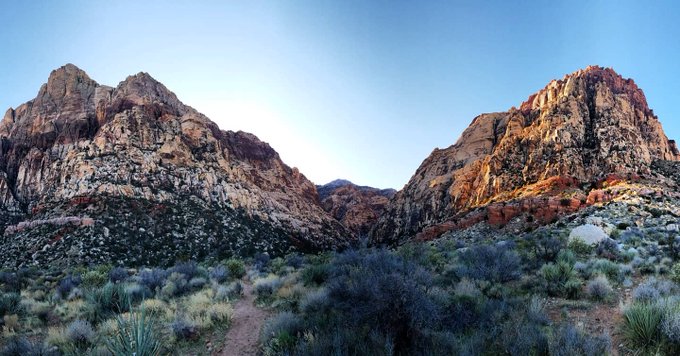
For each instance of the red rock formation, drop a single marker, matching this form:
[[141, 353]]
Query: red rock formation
[[582, 128], [356, 207]]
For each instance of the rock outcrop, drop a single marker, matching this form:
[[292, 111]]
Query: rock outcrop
[[571, 136], [158, 179], [356, 207]]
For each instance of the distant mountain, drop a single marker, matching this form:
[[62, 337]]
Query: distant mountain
[[546, 158], [356, 207], [95, 174]]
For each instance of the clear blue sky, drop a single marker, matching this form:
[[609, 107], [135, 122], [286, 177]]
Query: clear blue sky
[[362, 90]]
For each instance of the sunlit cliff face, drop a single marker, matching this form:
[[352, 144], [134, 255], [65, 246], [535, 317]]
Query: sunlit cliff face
[[577, 130]]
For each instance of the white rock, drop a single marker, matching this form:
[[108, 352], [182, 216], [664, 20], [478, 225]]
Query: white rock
[[588, 233]]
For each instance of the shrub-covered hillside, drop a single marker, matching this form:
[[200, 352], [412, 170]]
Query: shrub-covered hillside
[[596, 284]]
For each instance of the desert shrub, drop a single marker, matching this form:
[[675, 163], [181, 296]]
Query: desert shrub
[[16, 346], [315, 274], [136, 293], [236, 268], [220, 313], [490, 263], [367, 287], [219, 274], [599, 288], [197, 283], [105, 302], [567, 256], [675, 273], [652, 289], [20, 346], [670, 326], [580, 247], [261, 261], [10, 303], [522, 337], [280, 333], [568, 341], [424, 254], [278, 266], [41, 310], [184, 329], [608, 249], [155, 308], [118, 274], [316, 302], [560, 279], [11, 281], [11, 322], [67, 284], [645, 293], [542, 246], [266, 287], [608, 268], [189, 270], [93, 279], [80, 334], [56, 338], [137, 335], [341, 341], [228, 292], [295, 260], [175, 285], [467, 288], [641, 326], [536, 311], [583, 269], [153, 278]]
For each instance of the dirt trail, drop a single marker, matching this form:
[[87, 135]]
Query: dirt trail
[[246, 322]]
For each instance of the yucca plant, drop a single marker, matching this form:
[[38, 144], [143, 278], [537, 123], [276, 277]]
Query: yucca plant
[[136, 336], [641, 326]]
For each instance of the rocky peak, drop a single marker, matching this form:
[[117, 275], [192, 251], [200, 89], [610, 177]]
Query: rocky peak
[[574, 132], [356, 207], [587, 82], [93, 166]]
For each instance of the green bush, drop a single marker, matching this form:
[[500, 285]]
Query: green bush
[[10, 303], [136, 335], [641, 326], [236, 268], [315, 274], [610, 269], [560, 279], [580, 247], [106, 302], [94, 279], [675, 273], [566, 256]]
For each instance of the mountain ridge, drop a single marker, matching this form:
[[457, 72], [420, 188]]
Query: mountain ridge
[[356, 207], [80, 148]]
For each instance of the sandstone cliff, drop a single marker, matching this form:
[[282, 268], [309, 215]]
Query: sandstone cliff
[[153, 178], [541, 158], [356, 207]]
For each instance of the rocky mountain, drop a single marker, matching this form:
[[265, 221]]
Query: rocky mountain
[[553, 155], [130, 175], [356, 207]]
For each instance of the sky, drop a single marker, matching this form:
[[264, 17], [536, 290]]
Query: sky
[[353, 89]]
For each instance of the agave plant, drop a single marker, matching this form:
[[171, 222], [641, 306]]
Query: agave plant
[[136, 336]]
